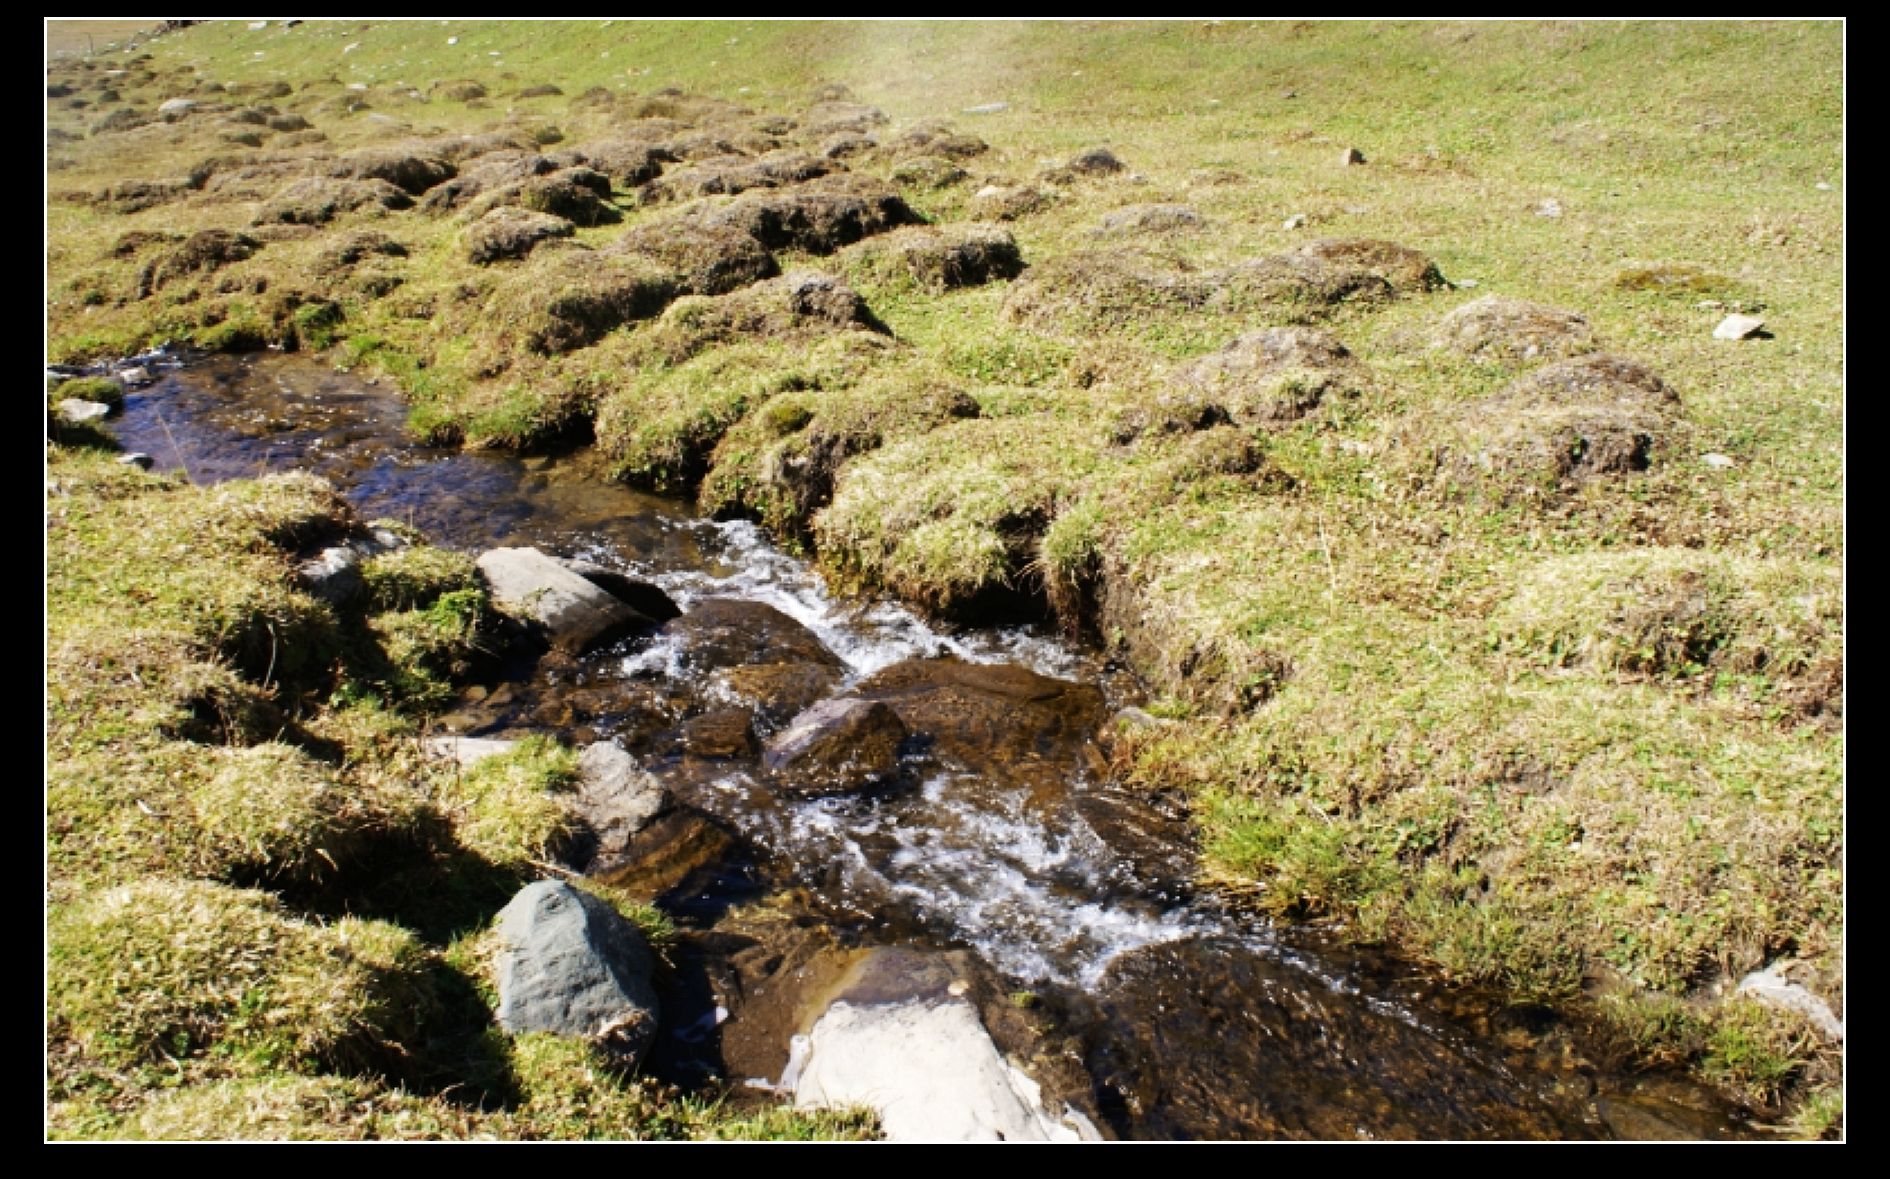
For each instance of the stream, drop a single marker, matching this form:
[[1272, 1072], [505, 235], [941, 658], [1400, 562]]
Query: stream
[[1171, 1016]]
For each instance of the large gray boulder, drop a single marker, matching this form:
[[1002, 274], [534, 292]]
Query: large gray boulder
[[574, 613], [570, 964], [902, 1038]]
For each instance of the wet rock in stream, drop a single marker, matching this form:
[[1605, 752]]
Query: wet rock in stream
[[775, 693], [725, 734], [997, 719], [616, 798], [644, 597], [1275, 1051], [837, 746], [730, 632], [667, 859]]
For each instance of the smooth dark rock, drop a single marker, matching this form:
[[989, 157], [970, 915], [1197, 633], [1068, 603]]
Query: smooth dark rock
[[1281, 1075], [1006, 723], [720, 736], [775, 692], [727, 632], [673, 849]]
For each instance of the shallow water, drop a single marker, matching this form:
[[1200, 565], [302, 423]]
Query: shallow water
[[1193, 1023]]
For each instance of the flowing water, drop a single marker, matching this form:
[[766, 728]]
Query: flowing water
[[1190, 1022]]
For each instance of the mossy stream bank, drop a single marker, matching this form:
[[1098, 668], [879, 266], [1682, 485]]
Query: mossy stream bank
[[1150, 1007]]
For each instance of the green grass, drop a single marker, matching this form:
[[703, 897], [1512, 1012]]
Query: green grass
[[224, 803], [1537, 724]]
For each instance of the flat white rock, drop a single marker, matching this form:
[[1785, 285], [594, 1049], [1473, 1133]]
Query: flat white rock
[[931, 1072], [1737, 327]]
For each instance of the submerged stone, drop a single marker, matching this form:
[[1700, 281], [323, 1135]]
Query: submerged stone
[[837, 746]]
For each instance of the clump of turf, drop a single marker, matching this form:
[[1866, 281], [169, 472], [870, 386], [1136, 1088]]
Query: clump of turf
[[183, 969], [797, 307], [659, 428], [509, 232], [1567, 423], [1672, 613], [952, 519], [1269, 378], [318, 200], [780, 463], [561, 301], [1409, 271], [207, 249], [513, 809], [710, 260], [818, 217], [940, 258], [728, 175], [1512, 330], [412, 173]]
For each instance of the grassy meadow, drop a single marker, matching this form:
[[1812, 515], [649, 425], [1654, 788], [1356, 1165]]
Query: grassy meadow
[[1491, 607]]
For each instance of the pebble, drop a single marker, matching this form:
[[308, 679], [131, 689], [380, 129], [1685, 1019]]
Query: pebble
[[1821, 186], [988, 108], [1351, 156], [1294, 222], [136, 458], [1549, 208], [1721, 461], [1468, 283], [258, 24], [1737, 327]]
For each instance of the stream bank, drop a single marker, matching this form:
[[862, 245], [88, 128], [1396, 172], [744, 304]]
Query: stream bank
[[1062, 899]]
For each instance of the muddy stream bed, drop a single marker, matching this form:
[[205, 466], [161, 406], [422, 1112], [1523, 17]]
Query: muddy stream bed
[[1002, 845]]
